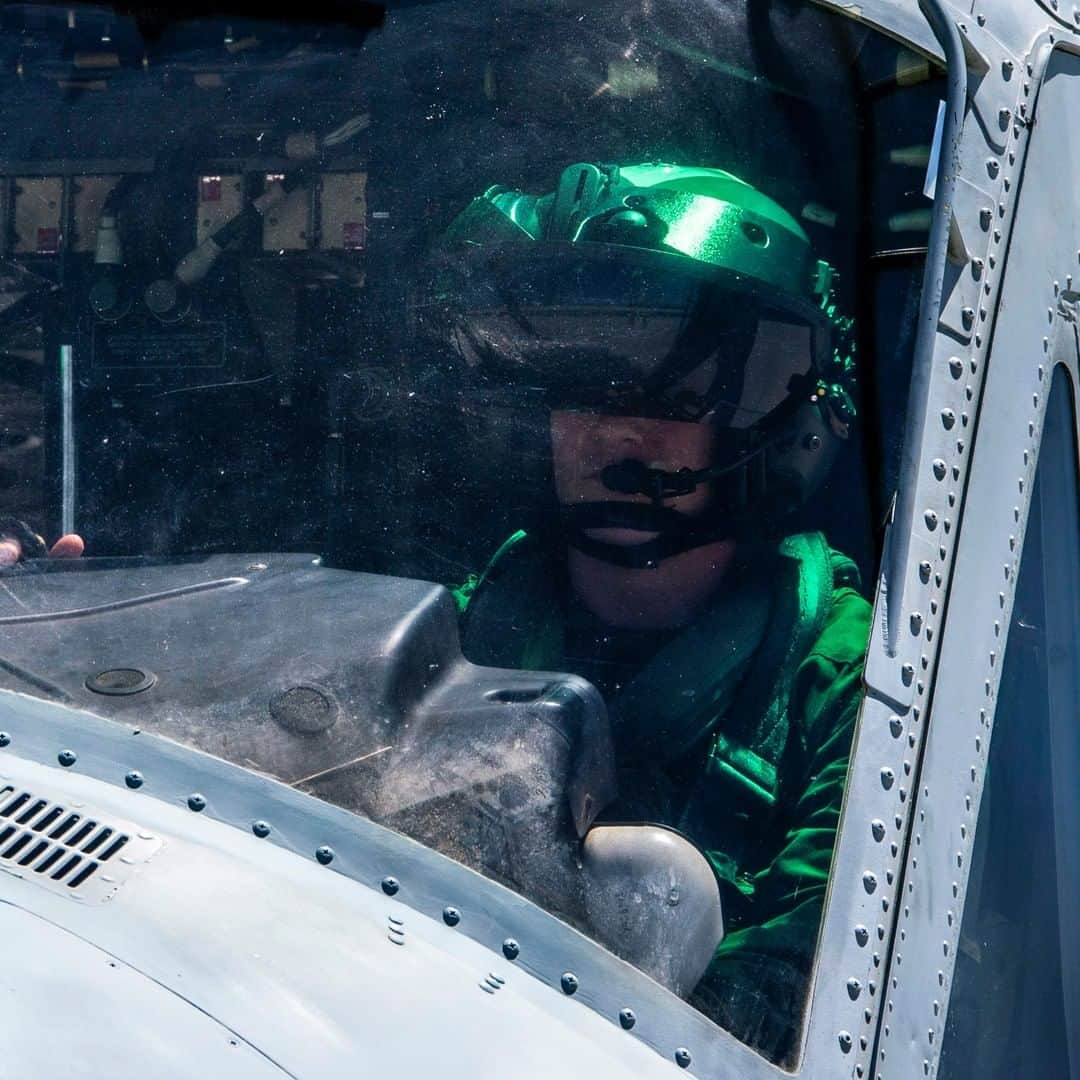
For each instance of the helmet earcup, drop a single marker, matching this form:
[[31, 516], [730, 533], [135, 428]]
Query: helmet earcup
[[804, 460]]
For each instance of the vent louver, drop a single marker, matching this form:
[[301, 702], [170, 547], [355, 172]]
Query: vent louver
[[67, 849]]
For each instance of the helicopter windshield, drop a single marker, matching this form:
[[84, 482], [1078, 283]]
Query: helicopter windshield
[[596, 316]]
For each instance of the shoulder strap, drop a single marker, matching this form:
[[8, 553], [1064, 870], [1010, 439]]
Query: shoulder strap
[[680, 695], [736, 664], [511, 614], [801, 606]]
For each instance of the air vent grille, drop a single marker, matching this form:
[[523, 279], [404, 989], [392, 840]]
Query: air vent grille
[[64, 847]]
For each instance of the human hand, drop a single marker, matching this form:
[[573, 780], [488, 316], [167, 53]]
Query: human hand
[[18, 541]]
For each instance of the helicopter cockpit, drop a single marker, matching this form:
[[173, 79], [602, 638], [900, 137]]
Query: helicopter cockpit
[[296, 319]]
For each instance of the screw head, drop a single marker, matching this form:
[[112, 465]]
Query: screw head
[[261, 829], [682, 1058], [5, 739], [511, 949], [67, 758], [569, 983], [451, 916], [134, 779], [196, 802], [390, 885], [627, 1018], [324, 854]]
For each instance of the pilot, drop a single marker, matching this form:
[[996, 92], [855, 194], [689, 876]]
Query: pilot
[[696, 375], [699, 378]]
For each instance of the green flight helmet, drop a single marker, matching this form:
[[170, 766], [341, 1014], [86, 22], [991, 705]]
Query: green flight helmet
[[659, 290]]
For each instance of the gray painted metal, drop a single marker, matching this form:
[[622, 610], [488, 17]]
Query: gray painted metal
[[73, 1009], [205, 914], [1036, 330], [272, 961], [895, 904]]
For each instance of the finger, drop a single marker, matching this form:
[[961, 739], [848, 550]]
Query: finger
[[10, 552], [69, 546]]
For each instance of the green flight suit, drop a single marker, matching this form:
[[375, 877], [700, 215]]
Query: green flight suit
[[735, 730]]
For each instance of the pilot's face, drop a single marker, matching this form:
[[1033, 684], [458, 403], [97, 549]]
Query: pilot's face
[[583, 444]]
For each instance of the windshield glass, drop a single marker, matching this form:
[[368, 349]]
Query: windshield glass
[[480, 416]]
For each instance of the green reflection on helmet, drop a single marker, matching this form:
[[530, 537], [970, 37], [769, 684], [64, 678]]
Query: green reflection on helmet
[[707, 215]]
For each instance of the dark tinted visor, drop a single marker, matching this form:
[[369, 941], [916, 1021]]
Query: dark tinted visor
[[629, 333]]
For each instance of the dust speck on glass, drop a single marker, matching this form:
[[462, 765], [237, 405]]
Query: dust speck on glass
[[598, 316]]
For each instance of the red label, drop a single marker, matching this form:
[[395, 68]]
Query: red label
[[48, 241], [352, 235]]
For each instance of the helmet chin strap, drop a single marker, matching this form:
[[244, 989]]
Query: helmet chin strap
[[677, 532]]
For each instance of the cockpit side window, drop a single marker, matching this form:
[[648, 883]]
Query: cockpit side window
[[1015, 1003]]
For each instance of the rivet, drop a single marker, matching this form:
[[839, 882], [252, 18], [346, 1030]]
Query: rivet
[[569, 983], [812, 442], [967, 317], [261, 829], [869, 881], [451, 916], [862, 935], [986, 215], [1004, 118], [134, 779], [948, 419], [940, 469], [5, 739], [896, 726], [67, 758], [389, 885], [511, 949], [925, 570], [627, 1018], [682, 1058], [916, 622], [324, 854], [845, 1041], [196, 802], [907, 674], [956, 367], [931, 519], [887, 778], [993, 167], [877, 828]]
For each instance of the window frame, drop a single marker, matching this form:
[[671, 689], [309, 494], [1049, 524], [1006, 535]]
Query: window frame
[[945, 767]]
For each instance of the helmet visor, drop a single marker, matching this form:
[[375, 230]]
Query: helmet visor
[[636, 334]]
